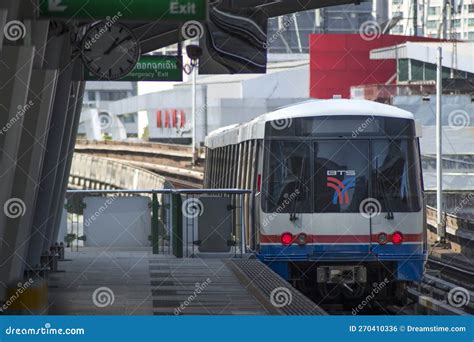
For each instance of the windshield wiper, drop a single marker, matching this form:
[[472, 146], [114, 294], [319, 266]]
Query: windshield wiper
[[297, 190], [389, 215]]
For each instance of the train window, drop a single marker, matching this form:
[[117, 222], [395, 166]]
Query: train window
[[341, 172], [287, 186], [395, 174]]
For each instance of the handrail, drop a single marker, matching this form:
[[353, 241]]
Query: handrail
[[452, 221]]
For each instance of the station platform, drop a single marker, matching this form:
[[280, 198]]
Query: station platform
[[106, 281], [121, 278]]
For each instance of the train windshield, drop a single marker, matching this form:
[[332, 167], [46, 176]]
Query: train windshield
[[341, 175], [288, 182], [335, 176], [396, 174]]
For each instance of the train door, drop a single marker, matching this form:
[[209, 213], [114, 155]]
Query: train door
[[341, 170]]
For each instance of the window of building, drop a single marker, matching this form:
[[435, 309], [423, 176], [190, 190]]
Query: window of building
[[457, 23], [128, 118], [113, 95], [470, 22], [432, 24], [433, 10], [403, 70], [470, 8], [91, 95]]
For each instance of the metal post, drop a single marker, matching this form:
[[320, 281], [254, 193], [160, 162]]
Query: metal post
[[242, 225], [444, 19], [177, 225], [155, 225], [193, 110], [415, 17], [297, 30], [439, 180]]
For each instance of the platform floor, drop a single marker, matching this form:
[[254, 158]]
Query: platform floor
[[199, 287], [135, 282], [95, 277]]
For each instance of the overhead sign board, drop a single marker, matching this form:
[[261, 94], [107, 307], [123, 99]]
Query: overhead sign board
[[149, 68], [127, 9]]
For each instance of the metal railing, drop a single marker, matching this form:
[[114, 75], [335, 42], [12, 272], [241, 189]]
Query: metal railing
[[456, 226], [88, 169], [172, 231]]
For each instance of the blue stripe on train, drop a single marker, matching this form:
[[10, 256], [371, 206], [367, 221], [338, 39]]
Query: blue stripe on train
[[409, 257]]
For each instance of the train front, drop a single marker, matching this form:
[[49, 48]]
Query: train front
[[341, 207]]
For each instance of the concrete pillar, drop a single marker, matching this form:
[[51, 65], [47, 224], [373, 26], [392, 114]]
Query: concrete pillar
[[3, 21], [15, 72], [27, 174], [68, 152], [57, 56]]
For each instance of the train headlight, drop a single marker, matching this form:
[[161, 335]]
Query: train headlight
[[397, 238], [382, 238], [286, 239], [302, 239]]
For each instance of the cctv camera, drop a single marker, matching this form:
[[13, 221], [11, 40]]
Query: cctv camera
[[194, 52]]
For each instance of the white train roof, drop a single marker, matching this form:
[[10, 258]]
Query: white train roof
[[255, 129]]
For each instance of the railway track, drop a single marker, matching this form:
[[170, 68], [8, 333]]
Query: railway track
[[446, 288], [168, 160], [452, 273]]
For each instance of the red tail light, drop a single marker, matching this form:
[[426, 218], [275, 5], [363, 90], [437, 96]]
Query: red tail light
[[286, 239], [397, 238], [259, 182]]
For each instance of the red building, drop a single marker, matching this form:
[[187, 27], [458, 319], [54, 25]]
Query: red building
[[339, 61]]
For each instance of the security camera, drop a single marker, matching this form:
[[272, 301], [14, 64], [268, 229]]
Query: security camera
[[194, 52]]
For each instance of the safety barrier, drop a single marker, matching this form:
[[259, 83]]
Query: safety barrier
[[184, 222], [88, 171]]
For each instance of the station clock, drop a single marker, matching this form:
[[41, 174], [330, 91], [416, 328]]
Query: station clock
[[110, 50]]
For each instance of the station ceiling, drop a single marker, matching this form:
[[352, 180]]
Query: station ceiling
[[156, 34]]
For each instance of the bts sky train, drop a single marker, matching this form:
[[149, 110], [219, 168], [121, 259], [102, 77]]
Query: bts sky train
[[337, 205]]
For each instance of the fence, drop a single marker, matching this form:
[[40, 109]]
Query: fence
[[185, 223]]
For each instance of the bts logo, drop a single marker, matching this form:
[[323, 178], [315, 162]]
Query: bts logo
[[341, 187], [341, 173]]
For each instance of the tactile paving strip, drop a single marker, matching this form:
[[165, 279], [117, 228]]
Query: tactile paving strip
[[174, 283], [257, 277]]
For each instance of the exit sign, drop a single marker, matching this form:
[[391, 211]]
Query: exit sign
[[150, 68], [127, 9]]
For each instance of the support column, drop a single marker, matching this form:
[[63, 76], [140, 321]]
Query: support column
[[65, 166], [27, 174], [15, 71], [57, 56]]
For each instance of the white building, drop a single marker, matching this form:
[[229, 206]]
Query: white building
[[98, 96], [458, 19], [220, 100]]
